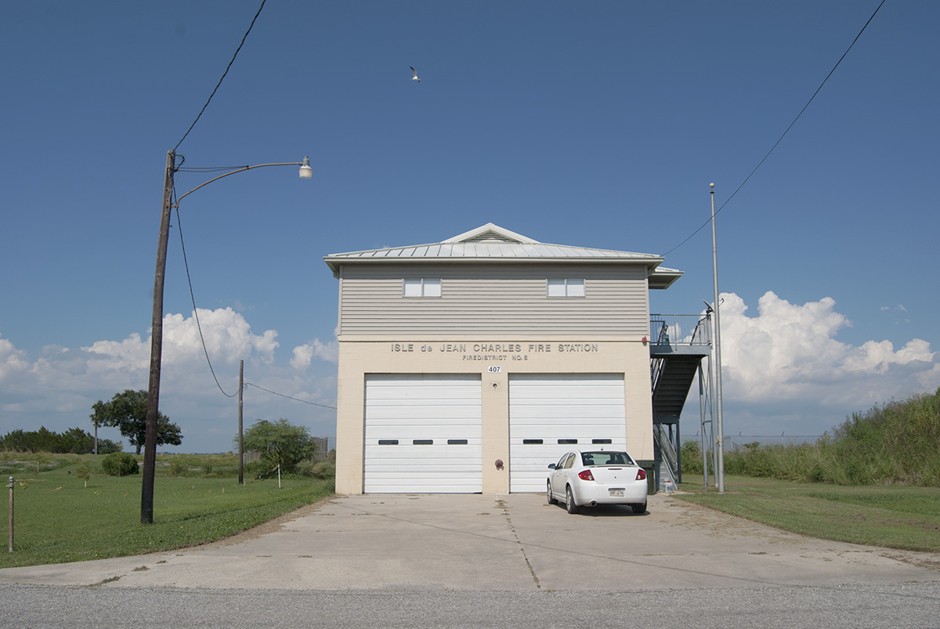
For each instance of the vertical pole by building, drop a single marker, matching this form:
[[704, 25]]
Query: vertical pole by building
[[719, 425], [241, 440]]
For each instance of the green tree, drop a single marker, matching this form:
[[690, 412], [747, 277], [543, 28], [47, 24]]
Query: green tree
[[127, 412], [83, 471], [76, 441], [279, 443]]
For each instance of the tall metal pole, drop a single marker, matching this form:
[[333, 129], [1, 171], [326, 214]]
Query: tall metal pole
[[719, 427], [241, 440], [156, 348]]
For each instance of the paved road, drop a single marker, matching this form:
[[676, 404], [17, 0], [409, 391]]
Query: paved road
[[446, 560]]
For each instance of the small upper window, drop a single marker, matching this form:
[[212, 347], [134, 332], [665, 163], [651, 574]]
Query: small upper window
[[565, 287], [422, 287]]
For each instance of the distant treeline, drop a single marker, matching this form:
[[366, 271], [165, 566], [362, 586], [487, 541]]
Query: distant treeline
[[896, 442], [72, 441]]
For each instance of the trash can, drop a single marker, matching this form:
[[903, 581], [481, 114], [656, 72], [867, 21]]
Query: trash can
[[652, 480]]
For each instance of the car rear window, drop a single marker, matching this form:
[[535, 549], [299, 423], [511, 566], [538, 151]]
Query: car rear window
[[602, 457]]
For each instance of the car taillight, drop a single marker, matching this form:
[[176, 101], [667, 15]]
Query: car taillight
[[641, 474], [586, 475]]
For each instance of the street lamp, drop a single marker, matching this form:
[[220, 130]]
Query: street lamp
[[156, 341]]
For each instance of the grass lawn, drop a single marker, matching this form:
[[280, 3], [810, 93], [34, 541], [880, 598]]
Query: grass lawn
[[58, 519], [893, 516]]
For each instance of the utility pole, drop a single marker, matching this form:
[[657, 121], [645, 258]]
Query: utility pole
[[719, 425], [241, 441], [156, 347], [156, 341]]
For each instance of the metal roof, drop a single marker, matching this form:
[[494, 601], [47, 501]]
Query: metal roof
[[492, 243]]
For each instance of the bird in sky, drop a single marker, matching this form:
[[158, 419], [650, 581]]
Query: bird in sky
[[414, 74]]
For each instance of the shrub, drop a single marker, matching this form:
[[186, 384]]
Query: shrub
[[119, 464], [83, 471], [177, 469], [691, 453], [324, 470], [259, 470], [304, 468]]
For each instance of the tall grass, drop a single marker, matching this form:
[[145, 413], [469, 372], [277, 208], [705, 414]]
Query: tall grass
[[897, 442]]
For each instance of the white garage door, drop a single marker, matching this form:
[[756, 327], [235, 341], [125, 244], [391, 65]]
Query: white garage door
[[552, 414], [423, 434]]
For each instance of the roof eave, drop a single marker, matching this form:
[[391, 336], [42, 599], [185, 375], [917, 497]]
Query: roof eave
[[661, 279], [336, 261]]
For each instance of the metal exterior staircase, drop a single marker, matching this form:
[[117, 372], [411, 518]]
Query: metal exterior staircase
[[675, 356], [672, 386]]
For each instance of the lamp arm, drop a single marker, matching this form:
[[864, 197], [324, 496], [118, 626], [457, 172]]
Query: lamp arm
[[233, 172]]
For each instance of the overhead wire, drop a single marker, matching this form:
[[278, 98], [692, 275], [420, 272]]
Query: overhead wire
[[249, 384], [179, 223], [786, 131], [192, 295], [224, 74], [202, 338]]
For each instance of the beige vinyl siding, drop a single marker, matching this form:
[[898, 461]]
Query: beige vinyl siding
[[491, 299]]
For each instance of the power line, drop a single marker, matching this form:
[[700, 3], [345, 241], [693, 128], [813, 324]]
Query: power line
[[192, 295], [249, 384], [785, 132], [224, 74], [202, 338]]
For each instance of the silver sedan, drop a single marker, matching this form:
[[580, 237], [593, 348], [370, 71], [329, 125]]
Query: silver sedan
[[590, 478]]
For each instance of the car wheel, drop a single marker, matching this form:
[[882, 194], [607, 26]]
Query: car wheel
[[548, 491], [569, 501], [641, 508]]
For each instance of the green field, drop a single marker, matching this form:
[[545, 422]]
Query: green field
[[893, 516], [197, 500]]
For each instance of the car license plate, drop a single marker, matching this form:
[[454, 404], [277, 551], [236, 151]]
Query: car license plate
[[616, 492]]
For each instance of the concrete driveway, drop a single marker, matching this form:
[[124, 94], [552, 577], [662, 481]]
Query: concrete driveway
[[515, 542]]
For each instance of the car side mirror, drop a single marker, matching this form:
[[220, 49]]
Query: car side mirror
[[551, 466]]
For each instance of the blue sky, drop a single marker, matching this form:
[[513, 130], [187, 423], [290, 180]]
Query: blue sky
[[596, 124]]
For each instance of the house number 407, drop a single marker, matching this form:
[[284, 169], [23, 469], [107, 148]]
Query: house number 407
[[494, 369]]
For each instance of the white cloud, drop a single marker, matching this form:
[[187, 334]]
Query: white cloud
[[304, 354], [227, 336], [57, 388], [12, 361], [788, 356], [784, 369], [128, 354]]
